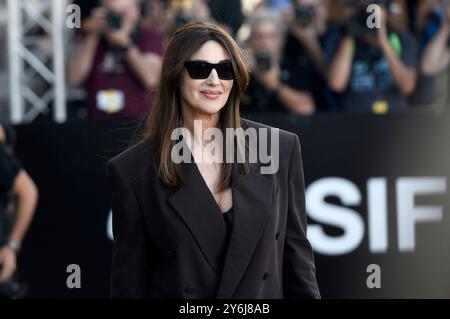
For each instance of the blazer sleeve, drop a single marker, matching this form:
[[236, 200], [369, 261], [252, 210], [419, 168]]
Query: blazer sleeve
[[130, 248], [299, 273]]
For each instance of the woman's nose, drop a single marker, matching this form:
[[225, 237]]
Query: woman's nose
[[213, 78]]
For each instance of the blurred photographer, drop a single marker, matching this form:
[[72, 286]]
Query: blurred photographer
[[18, 196], [307, 23], [435, 39], [303, 51], [273, 86], [118, 61], [371, 63]]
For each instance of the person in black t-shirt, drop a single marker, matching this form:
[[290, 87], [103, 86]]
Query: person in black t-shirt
[[16, 187], [303, 52]]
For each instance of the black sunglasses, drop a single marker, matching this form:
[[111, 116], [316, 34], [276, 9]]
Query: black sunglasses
[[202, 70]]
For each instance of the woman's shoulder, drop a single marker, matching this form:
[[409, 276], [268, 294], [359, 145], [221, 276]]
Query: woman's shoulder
[[130, 161], [280, 144], [286, 139]]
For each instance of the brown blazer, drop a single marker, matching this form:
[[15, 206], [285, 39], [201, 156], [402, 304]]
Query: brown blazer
[[171, 243]]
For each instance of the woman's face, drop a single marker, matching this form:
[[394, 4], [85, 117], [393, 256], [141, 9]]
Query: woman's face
[[206, 97]]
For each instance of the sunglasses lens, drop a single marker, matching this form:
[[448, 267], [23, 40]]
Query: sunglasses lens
[[198, 70], [201, 70], [225, 71]]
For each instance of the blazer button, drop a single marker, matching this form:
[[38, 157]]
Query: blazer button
[[266, 275], [189, 289], [277, 235]]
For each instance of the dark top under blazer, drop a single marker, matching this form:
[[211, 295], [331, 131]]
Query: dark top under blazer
[[169, 243]]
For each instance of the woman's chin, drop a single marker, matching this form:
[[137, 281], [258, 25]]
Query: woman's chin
[[210, 108]]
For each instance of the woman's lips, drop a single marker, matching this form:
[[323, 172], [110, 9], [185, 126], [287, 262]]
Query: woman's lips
[[210, 94]]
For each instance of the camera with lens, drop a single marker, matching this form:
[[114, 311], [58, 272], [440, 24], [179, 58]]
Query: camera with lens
[[263, 60], [304, 15], [357, 25], [113, 20]]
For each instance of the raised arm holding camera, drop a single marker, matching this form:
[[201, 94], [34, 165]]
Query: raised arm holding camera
[[375, 66]]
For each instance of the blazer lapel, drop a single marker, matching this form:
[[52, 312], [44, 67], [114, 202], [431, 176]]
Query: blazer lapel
[[197, 207], [252, 199]]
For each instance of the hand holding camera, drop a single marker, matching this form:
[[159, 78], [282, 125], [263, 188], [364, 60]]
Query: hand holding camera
[[263, 61], [114, 26], [303, 22], [95, 23], [266, 71], [358, 25], [305, 25], [120, 26]]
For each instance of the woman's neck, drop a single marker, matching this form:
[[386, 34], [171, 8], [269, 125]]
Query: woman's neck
[[197, 125]]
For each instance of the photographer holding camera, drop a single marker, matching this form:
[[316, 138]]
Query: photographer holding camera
[[307, 33], [118, 62], [373, 69], [273, 86], [306, 27]]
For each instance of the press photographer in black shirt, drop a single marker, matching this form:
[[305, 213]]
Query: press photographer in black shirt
[[18, 194]]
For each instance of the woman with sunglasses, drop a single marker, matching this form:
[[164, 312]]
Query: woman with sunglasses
[[207, 228]]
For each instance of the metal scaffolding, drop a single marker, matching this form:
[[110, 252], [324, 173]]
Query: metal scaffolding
[[36, 59]]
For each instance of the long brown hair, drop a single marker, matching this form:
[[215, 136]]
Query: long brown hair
[[165, 115]]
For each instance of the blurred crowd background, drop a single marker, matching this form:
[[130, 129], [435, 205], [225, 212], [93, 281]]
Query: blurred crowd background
[[306, 57]]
